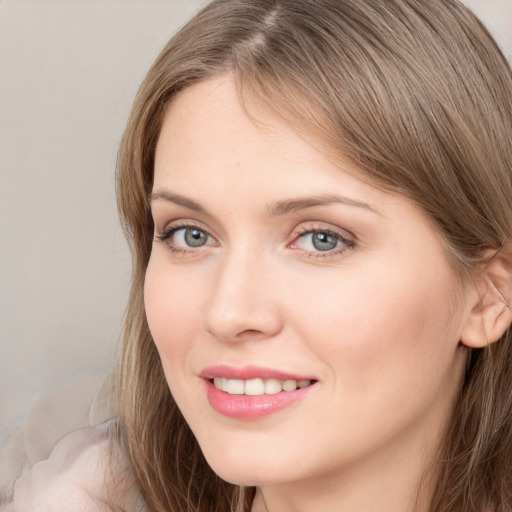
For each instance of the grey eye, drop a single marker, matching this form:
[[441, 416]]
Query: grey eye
[[186, 238], [193, 237], [320, 241], [324, 241]]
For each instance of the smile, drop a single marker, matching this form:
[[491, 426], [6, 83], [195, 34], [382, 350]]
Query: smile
[[257, 387], [252, 392]]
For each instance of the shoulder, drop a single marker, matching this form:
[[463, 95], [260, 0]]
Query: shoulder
[[85, 472]]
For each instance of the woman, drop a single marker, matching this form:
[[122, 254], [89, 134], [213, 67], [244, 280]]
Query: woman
[[318, 199]]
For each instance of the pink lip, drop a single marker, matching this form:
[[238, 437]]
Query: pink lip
[[250, 407], [249, 372]]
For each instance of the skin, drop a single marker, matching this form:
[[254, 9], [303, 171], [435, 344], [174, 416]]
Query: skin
[[377, 320]]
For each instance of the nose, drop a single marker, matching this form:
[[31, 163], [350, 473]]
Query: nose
[[244, 304]]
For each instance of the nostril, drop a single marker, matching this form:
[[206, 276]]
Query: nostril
[[248, 332]]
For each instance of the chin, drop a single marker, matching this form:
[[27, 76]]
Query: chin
[[245, 476], [245, 468]]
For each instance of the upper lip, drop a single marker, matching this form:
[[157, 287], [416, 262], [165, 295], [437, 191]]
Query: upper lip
[[249, 372]]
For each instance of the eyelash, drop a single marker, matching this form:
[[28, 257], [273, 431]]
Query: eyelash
[[168, 233], [345, 242]]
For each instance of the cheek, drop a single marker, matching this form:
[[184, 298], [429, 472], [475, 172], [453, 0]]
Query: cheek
[[172, 305], [381, 327], [172, 309], [389, 351]]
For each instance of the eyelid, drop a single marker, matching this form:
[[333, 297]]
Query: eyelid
[[347, 239], [320, 226], [174, 225], [166, 234]]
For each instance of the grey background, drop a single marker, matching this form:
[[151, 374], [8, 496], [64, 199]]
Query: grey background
[[68, 73]]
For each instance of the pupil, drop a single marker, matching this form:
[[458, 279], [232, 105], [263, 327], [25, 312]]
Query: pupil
[[195, 237], [324, 242]]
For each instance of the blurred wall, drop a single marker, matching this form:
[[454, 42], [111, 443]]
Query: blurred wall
[[68, 73], [497, 16]]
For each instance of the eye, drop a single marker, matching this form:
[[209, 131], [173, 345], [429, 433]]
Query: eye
[[317, 241], [190, 237], [183, 238]]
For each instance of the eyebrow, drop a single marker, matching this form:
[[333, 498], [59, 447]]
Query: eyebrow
[[180, 200], [301, 203], [275, 208]]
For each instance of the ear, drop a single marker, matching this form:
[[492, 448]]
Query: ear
[[490, 315]]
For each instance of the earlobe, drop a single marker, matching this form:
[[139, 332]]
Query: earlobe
[[491, 313]]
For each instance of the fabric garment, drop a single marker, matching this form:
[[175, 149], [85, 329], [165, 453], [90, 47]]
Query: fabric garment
[[82, 400], [62, 456], [85, 472]]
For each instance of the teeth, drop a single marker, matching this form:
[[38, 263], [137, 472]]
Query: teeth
[[289, 385], [273, 386], [235, 387], [256, 387]]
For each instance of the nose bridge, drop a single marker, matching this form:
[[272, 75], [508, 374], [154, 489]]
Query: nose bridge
[[242, 303]]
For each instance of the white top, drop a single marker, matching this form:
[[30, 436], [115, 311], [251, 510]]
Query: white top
[[50, 469], [85, 473]]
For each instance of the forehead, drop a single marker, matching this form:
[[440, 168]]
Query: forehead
[[208, 133], [211, 113]]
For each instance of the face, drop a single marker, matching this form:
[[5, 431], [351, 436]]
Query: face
[[307, 322]]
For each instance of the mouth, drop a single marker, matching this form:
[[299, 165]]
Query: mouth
[[253, 392], [258, 387]]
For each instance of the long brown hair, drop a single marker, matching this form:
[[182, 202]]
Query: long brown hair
[[417, 94]]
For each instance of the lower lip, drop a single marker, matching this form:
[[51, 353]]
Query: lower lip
[[252, 407]]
